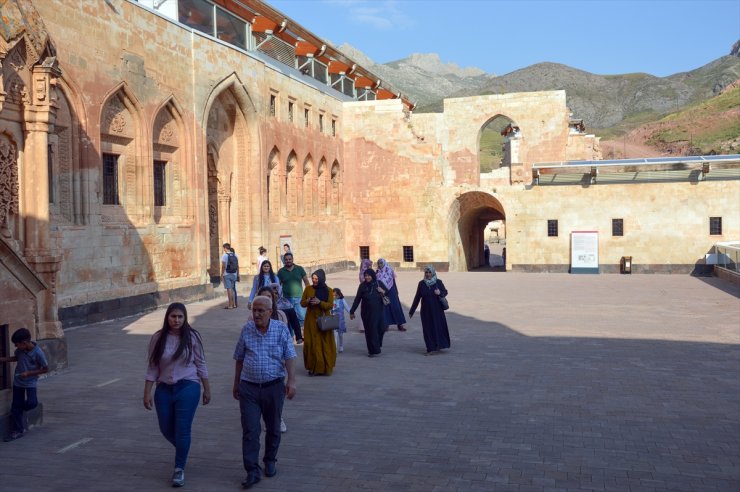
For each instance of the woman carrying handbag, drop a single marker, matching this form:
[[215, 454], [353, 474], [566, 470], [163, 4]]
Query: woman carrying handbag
[[319, 349]]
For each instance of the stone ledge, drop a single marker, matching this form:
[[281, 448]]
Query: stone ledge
[[699, 270], [118, 308], [725, 274]]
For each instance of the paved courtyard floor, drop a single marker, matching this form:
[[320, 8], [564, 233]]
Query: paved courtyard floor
[[553, 382]]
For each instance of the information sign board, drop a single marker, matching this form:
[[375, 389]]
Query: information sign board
[[584, 252]]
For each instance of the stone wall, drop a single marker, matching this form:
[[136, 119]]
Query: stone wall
[[118, 96], [666, 225]]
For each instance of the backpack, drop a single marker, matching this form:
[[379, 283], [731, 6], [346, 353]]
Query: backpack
[[232, 263]]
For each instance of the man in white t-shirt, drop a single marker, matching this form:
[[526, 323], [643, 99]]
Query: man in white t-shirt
[[262, 257]]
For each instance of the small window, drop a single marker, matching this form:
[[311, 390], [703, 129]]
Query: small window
[[552, 228], [290, 111], [715, 226], [160, 183], [110, 179], [321, 123], [408, 254], [333, 128], [273, 103], [364, 252], [307, 117], [617, 227]]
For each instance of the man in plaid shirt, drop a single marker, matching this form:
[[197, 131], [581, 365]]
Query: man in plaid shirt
[[264, 355]]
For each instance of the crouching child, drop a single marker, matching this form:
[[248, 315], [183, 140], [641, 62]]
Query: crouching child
[[31, 363]]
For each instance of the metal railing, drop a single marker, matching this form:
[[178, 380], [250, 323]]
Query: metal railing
[[728, 255], [205, 17], [275, 48]]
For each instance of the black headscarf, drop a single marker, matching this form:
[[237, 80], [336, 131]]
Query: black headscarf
[[372, 273], [370, 287], [322, 291]]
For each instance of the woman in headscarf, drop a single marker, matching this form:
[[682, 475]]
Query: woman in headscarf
[[370, 292], [393, 311], [366, 263], [319, 349], [433, 320]]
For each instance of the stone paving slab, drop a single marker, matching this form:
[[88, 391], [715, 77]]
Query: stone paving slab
[[553, 382]]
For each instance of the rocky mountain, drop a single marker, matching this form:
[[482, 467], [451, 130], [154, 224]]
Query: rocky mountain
[[422, 77], [603, 101]]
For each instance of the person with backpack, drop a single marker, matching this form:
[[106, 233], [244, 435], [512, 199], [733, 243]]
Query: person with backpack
[[229, 274]]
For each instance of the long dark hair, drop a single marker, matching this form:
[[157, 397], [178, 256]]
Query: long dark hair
[[273, 277], [186, 336], [269, 291]]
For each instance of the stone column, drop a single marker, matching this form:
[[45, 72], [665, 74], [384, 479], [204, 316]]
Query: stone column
[[39, 112], [224, 218], [2, 85]]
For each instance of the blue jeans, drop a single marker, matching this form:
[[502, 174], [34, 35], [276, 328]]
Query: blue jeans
[[256, 403], [24, 399], [176, 404], [300, 311]]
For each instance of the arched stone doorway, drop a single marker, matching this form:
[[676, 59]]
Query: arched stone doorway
[[226, 158], [468, 217]]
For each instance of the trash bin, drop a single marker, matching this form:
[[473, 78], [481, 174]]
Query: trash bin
[[625, 264]]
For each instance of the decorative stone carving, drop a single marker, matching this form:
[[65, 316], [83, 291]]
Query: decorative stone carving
[[21, 21], [165, 129], [167, 135], [114, 119], [8, 183], [40, 88]]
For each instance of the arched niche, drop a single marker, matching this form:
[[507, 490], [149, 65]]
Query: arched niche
[[309, 194], [336, 187], [273, 182], [289, 204], [168, 165], [495, 147], [120, 178], [323, 179]]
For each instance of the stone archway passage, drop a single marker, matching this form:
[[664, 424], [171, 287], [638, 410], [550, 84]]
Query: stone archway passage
[[469, 215]]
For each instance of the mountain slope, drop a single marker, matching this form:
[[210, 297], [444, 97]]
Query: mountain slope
[[604, 101], [711, 126]]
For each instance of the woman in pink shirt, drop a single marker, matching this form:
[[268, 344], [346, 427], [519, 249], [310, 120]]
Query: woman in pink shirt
[[177, 364]]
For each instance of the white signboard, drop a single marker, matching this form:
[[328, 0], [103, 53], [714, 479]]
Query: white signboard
[[584, 252]]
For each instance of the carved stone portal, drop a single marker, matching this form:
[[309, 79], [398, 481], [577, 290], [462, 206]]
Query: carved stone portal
[[8, 184]]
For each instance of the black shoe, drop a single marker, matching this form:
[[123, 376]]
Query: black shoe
[[13, 436], [270, 470], [251, 479]]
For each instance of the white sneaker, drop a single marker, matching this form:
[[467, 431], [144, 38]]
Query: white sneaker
[[341, 349], [283, 427], [178, 477]]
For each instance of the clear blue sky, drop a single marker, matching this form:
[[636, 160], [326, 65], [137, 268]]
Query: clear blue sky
[[605, 37]]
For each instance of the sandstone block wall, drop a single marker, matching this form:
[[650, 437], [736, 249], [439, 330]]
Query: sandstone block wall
[[666, 225], [220, 99]]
